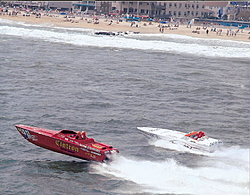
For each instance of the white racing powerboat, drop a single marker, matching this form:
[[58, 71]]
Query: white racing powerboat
[[193, 141]]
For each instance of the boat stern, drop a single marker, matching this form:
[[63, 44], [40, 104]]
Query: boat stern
[[96, 151], [110, 155], [215, 145], [209, 144]]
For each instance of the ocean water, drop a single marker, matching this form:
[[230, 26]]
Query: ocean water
[[69, 78]]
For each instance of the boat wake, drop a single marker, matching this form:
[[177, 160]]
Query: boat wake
[[222, 174]]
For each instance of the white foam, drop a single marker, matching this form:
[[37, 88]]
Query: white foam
[[71, 37], [170, 177], [197, 39], [233, 155]]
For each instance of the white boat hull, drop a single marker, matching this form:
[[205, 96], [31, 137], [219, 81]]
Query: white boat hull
[[204, 144]]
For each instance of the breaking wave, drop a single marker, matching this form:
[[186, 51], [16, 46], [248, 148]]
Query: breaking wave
[[167, 43]]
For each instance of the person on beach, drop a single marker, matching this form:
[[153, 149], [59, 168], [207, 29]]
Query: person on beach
[[229, 32]]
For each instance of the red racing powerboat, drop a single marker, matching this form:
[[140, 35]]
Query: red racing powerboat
[[68, 142]]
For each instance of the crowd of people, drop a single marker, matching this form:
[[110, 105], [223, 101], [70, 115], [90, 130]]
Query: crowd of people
[[143, 25]]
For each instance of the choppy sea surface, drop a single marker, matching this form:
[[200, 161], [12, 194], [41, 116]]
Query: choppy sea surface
[[69, 78]]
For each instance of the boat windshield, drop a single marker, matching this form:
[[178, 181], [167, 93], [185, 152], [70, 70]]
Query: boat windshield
[[67, 132], [192, 134]]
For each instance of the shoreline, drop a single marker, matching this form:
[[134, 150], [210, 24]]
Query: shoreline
[[143, 27]]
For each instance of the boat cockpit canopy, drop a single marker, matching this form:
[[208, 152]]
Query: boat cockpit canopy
[[64, 131]]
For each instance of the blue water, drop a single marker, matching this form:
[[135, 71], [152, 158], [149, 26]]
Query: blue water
[[60, 78]]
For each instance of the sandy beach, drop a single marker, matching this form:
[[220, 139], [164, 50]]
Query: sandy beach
[[144, 27]]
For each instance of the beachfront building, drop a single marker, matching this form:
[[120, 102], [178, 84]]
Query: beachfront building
[[161, 9], [79, 6], [29, 4], [73, 6], [132, 7], [59, 5], [227, 10], [175, 10], [166, 10], [83, 6], [104, 7], [239, 10], [182, 9], [218, 9]]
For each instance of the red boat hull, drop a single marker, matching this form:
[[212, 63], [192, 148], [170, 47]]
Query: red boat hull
[[67, 142]]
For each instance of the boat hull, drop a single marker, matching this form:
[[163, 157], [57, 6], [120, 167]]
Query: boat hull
[[86, 149], [203, 144]]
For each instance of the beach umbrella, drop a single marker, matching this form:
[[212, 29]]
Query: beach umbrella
[[143, 16], [150, 19], [63, 13], [163, 22]]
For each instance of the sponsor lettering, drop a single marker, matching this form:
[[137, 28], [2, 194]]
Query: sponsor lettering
[[91, 155], [66, 146]]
